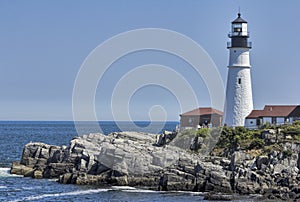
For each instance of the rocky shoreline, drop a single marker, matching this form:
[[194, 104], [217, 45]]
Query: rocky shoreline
[[156, 162]]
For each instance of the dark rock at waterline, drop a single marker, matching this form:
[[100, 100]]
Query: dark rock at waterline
[[217, 197]]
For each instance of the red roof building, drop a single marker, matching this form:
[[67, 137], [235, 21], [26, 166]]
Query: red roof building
[[274, 114], [203, 116]]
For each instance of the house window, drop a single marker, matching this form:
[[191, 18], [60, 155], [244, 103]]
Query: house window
[[251, 122], [286, 120], [239, 81], [258, 121]]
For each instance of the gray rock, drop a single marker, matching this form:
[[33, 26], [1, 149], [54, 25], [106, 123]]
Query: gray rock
[[160, 140], [220, 181], [134, 159], [165, 138], [279, 168], [239, 157], [54, 170], [288, 137], [244, 186], [196, 143], [269, 136], [19, 169], [37, 174], [225, 162], [217, 197], [262, 160]]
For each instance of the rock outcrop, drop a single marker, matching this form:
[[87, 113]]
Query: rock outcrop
[[276, 176], [140, 159], [124, 158]]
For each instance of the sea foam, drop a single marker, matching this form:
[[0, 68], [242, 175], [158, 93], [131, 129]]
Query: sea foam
[[4, 172], [74, 193], [123, 188]]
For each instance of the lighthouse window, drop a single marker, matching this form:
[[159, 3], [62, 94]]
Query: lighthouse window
[[237, 29], [239, 80]]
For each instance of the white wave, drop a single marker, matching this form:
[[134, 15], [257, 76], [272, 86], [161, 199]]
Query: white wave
[[134, 190], [31, 188], [123, 188], [5, 172], [142, 191], [3, 187], [4, 169], [53, 180], [189, 192], [74, 193]]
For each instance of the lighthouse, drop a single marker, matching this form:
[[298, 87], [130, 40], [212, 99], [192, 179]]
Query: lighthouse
[[239, 102]]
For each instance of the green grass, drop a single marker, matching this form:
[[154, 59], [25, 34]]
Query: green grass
[[232, 139]]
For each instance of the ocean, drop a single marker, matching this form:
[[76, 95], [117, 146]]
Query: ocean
[[15, 134]]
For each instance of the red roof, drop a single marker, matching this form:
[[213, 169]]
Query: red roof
[[274, 111], [255, 114], [202, 111]]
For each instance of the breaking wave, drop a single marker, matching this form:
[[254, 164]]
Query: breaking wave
[[74, 193], [4, 172]]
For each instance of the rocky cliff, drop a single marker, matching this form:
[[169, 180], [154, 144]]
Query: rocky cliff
[[148, 160]]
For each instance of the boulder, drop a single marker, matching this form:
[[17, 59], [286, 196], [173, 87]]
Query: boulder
[[239, 158], [212, 196], [262, 160], [37, 174], [19, 169], [196, 143], [269, 136], [54, 170], [160, 140]]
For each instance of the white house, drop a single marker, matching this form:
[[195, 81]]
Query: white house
[[273, 114]]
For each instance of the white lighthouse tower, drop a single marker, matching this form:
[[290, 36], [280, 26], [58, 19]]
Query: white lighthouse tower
[[239, 101]]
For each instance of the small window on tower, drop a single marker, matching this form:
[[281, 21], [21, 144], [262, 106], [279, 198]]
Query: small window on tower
[[239, 80], [237, 29]]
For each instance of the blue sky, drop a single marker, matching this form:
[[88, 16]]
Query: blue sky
[[44, 43]]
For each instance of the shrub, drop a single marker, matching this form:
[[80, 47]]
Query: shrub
[[268, 125], [296, 123], [256, 143], [202, 132], [270, 148], [297, 138], [293, 129], [287, 153]]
